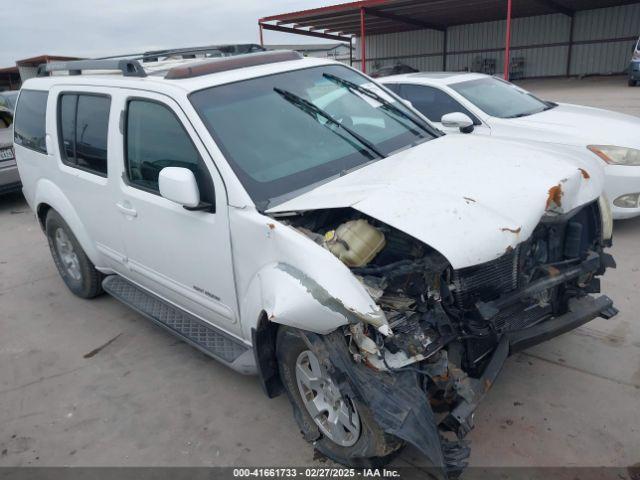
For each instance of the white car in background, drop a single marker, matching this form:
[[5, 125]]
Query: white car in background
[[485, 105]]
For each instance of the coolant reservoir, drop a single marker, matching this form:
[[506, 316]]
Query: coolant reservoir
[[355, 243]]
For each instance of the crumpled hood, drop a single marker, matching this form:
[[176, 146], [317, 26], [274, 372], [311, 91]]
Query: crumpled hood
[[574, 125], [470, 198]]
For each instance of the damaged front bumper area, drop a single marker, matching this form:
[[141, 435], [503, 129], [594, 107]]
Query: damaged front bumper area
[[581, 311], [451, 330], [398, 402]]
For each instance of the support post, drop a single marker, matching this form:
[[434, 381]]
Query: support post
[[570, 51], [261, 35], [363, 42], [507, 48], [444, 49]]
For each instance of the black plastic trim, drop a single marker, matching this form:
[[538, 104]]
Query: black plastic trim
[[581, 311]]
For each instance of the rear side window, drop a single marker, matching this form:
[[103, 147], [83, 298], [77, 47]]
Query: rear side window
[[83, 131], [433, 103], [30, 120], [156, 139]]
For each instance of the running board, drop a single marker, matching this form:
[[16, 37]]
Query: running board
[[192, 330]]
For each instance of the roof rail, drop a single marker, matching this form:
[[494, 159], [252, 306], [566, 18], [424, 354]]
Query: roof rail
[[231, 57], [226, 50], [217, 65], [128, 67]]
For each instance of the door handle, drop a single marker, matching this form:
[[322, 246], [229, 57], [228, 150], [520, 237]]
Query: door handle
[[131, 212]]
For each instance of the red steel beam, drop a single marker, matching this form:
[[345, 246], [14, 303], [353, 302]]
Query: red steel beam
[[331, 8], [507, 46], [363, 41]]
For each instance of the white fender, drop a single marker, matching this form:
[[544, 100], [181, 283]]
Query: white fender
[[297, 282], [49, 193]]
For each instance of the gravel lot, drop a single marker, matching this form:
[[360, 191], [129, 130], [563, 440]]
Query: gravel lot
[[147, 399]]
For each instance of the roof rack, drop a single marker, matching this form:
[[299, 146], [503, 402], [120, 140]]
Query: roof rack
[[226, 50], [129, 64], [217, 65], [128, 67], [227, 57]]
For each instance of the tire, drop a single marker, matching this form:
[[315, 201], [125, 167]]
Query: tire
[[632, 83], [72, 263], [371, 449]]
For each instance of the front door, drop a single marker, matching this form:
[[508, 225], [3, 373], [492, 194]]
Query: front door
[[182, 255]]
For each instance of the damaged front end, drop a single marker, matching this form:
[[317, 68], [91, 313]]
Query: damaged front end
[[448, 331]]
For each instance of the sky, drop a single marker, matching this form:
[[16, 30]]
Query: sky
[[92, 28]]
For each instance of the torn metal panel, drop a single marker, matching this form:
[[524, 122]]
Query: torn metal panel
[[293, 279], [396, 401]]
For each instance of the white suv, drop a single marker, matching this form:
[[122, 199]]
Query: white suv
[[293, 219]]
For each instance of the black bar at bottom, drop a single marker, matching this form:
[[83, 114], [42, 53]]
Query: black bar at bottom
[[581, 311]]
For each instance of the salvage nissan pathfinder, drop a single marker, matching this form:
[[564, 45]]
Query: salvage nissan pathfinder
[[295, 220]]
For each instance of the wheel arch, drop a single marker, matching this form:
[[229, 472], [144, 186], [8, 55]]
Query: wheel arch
[[50, 197]]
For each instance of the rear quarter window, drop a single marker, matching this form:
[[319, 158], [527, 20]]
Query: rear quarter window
[[83, 130], [30, 119]]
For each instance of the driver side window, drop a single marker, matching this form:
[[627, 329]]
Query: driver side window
[[156, 139], [433, 103]]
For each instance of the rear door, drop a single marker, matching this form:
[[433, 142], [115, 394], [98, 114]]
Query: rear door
[[84, 146], [182, 255]]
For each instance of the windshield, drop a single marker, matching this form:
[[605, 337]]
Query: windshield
[[499, 98], [286, 132], [8, 100]]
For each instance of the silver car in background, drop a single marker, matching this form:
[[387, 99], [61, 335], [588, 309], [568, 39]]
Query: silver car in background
[[9, 177], [8, 99]]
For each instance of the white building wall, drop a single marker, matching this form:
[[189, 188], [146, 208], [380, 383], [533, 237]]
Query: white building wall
[[603, 40]]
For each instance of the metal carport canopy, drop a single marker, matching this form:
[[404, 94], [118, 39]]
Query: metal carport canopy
[[372, 17]]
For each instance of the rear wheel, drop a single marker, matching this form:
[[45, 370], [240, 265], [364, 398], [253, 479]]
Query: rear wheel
[[72, 263], [341, 428]]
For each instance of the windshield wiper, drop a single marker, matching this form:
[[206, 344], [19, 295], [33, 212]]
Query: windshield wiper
[[384, 102], [316, 111]]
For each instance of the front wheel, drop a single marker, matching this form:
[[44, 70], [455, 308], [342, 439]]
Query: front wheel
[[72, 263], [632, 83], [341, 428]]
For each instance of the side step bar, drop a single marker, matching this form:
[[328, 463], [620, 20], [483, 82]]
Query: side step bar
[[192, 330]]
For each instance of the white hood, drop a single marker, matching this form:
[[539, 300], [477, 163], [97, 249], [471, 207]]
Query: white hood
[[573, 125], [470, 198]]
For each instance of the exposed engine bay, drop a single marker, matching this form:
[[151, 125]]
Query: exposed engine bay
[[452, 329]]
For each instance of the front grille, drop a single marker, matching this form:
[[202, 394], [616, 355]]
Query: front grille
[[487, 281]]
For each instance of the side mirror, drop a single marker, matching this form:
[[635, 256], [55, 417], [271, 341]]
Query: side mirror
[[179, 185], [458, 120]]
